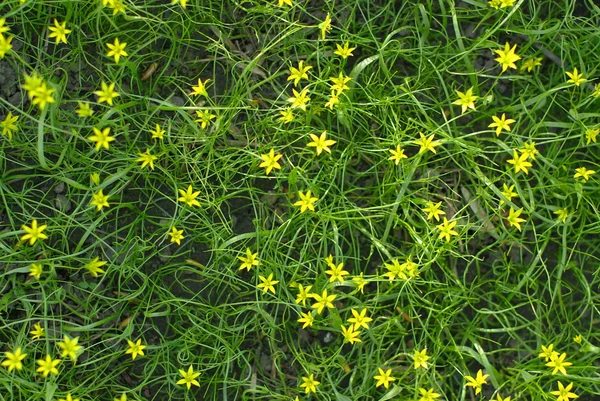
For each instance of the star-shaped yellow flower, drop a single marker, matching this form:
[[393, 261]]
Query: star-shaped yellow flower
[[427, 143], [296, 74], [321, 143], [520, 162], [345, 51], [102, 138], [384, 378], [34, 232], [189, 196], [446, 229], [106, 93], [306, 201], [575, 77], [116, 50], [270, 161], [507, 57], [59, 31], [501, 123], [466, 100]]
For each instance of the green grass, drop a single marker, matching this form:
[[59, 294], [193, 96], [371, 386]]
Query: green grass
[[488, 299]]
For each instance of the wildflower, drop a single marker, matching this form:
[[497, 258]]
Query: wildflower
[[296, 74], [323, 301], [69, 398], [183, 4], [530, 64], [396, 270], [189, 377], [48, 366], [595, 93], [529, 150], [59, 31], [268, 284], [429, 395], [95, 178], [410, 267], [420, 359], [123, 397], [99, 200], [339, 83], [325, 26], [35, 270], [270, 161], [249, 261], [501, 123], [306, 201], [575, 77], [360, 282], [8, 124], [564, 393], [135, 348], [102, 138], [14, 360], [176, 235], [321, 143], [433, 210], [477, 382], [200, 89], [329, 260], [583, 173], [204, 118], [514, 219], [578, 339], [520, 162], [34, 232], [158, 132], [106, 93], [189, 196], [466, 100], [32, 84], [397, 154], [118, 6], [501, 399], [3, 27], [345, 51], [548, 353], [494, 4], [360, 319], [280, 3], [287, 116], [562, 214], [333, 100], [350, 334], [384, 378], [146, 159], [116, 50], [427, 143], [309, 384], [69, 347], [43, 96], [303, 294], [5, 45], [84, 110], [446, 229], [507, 57], [337, 273], [508, 193], [591, 135], [299, 100], [507, 3], [307, 319], [559, 364], [93, 266]]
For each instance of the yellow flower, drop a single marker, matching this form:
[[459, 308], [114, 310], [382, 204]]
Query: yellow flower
[[530, 64], [176, 235], [501, 399], [84, 110], [584, 173], [360, 319], [158, 132], [323, 301], [596, 92], [306, 201], [116, 50], [396, 270], [420, 359], [514, 219], [562, 214], [48, 366], [3, 27], [107, 93], [93, 266], [99, 200], [501, 123], [35, 270], [303, 294], [578, 339], [117, 6], [204, 118], [270, 161], [397, 154], [200, 89], [384, 378], [8, 124], [70, 347], [69, 397], [34, 232], [5, 45], [309, 384], [249, 261], [190, 376], [135, 348], [508, 193], [494, 4], [345, 51], [466, 100], [446, 229], [575, 77], [299, 100], [564, 393], [43, 96], [360, 282], [433, 210], [559, 364], [429, 395], [529, 150], [287, 116], [477, 382], [296, 74], [520, 162], [32, 84], [59, 31], [548, 353], [189, 196], [337, 273], [507, 3], [280, 3], [427, 143], [307, 319], [102, 138], [350, 334], [325, 26], [146, 159], [339, 83], [123, 397], [591, 135], [507, 57], [14, 360], [267, 283], [321, 143], [95, 178]]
